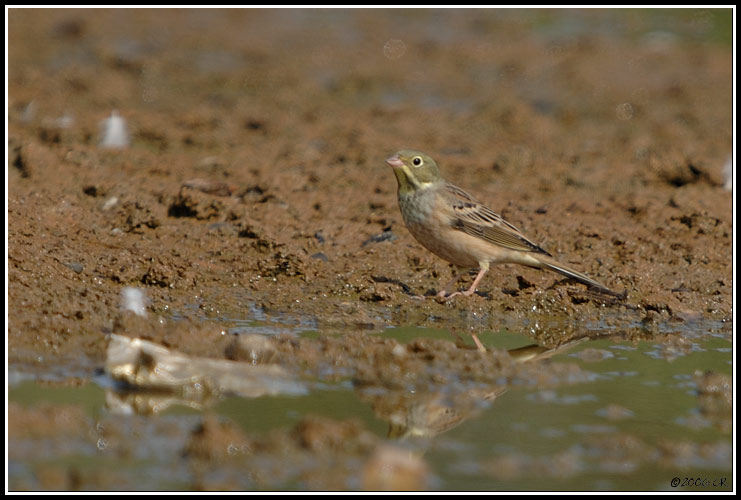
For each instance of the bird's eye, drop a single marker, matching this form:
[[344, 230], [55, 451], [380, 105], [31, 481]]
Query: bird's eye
[[417, 161]]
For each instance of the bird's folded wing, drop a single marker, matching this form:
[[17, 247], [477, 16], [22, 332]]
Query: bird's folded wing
[[473, 218]]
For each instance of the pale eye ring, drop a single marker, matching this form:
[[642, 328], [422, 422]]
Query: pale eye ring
[[417, 161]]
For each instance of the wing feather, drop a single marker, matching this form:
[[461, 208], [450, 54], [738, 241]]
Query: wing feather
[[473, 218]]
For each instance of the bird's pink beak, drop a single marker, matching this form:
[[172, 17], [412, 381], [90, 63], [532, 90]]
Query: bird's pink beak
[[394, 161]]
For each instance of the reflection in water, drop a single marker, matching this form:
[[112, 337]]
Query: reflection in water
[[149, 378], [128, 402], [433, 412], [648, 417]]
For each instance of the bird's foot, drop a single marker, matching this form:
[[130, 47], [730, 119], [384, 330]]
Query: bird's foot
[[443, 294]]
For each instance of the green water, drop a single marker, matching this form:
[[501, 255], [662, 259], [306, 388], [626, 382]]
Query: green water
[[526, 439], [658, 397]]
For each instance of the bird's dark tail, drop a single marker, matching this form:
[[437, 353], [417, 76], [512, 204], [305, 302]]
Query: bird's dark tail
[[553, 265]]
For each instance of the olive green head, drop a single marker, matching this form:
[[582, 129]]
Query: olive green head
[[414, 170]]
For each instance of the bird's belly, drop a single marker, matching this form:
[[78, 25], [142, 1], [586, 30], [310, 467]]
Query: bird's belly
[[433, 230], [438, 241]]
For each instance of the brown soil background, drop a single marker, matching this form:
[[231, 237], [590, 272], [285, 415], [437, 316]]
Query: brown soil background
[[255, 175]]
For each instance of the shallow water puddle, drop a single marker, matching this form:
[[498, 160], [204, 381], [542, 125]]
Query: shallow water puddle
[[636, 426], [603, 414]]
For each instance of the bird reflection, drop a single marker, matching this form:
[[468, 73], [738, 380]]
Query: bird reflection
[[424, 414]]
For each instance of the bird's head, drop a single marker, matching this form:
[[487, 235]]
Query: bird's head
[[414, 170]]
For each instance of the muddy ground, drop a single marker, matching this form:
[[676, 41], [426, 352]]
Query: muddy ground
[[255, 181]]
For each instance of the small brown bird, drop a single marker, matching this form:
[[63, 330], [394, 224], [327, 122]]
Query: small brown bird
[[455, 226]]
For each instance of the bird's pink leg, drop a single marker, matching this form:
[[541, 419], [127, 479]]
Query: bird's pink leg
[[472, 288], [479, 345]]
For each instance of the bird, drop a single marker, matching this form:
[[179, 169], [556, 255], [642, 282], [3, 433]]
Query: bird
[[458, 228]]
